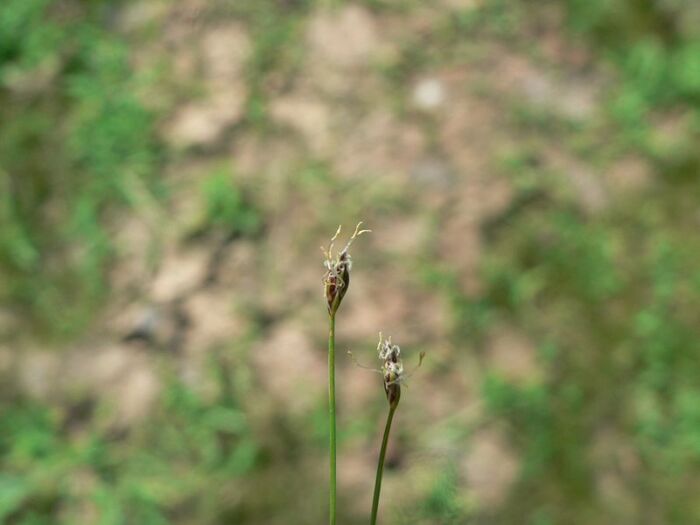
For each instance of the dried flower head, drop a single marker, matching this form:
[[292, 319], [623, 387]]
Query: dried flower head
[[337, 278], [392, 369]]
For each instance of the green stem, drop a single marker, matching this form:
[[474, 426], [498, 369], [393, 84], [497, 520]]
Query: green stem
[[380, 465], [331, 414]]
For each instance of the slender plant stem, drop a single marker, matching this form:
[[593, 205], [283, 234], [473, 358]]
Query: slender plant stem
[[380, 465], [331, 413]]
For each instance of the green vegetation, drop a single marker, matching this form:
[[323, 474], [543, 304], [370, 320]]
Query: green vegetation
[[75, 144], [226, 208], [612, 297], [64, 467], [656, 48]]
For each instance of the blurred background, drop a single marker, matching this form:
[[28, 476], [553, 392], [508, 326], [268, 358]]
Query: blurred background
[[530, 171]]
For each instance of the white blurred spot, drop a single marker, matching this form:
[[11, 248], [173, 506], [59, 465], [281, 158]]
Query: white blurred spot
[[429, 94]]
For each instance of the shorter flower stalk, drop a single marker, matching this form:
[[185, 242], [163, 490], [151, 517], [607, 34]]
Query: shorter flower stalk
[[393, 374], [380, 464]]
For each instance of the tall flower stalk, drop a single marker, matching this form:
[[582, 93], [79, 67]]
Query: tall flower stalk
[[335, 282]]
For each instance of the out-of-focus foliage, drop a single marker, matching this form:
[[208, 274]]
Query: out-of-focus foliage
[[75, 144], [188, 460], [656, 47], [613, 299], [616, 307], [226, 207]]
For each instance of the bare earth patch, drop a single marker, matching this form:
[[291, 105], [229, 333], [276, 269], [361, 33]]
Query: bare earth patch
[[490, 468]]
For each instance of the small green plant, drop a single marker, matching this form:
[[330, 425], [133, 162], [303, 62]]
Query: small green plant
[[226, 207]]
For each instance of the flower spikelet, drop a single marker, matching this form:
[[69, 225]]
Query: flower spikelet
[[392, 369], [337, 277]]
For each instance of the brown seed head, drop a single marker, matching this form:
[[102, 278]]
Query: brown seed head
[[337, 277]]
